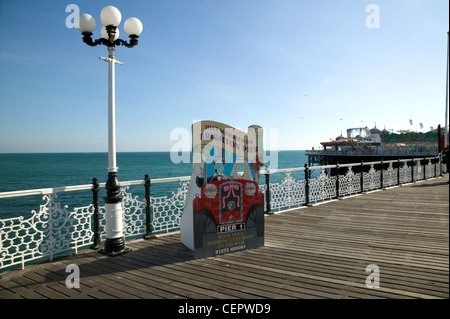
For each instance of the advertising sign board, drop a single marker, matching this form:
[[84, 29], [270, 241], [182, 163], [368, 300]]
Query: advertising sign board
[[224, 209]]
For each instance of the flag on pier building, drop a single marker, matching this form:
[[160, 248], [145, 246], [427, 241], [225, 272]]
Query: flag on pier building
[[410, 122]]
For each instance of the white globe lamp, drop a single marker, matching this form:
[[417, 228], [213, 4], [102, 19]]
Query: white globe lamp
[[110, 16], [133, 26], [86, 23]]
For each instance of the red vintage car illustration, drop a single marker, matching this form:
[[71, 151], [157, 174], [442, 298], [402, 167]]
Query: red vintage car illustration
[[228, 203]]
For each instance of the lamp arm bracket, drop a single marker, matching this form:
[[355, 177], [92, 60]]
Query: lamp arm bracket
[[133, 42], [87, 38]]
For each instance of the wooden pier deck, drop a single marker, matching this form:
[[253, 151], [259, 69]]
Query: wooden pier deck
[[312, 252]]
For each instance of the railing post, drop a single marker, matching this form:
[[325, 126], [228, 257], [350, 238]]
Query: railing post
[[435, 167], [398, 171], [361, 177], [307, 185], [97, 240], [268, 206], [424, 169], [412, 170], [337, 180], [148, 221], [382, 175]]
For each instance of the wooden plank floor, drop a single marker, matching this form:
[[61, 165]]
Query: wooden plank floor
[[312, 252]]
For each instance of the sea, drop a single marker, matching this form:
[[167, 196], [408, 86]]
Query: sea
[[25, 171]]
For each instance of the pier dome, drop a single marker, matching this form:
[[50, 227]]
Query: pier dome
[[375, 134], [340, 137], [375, 130]]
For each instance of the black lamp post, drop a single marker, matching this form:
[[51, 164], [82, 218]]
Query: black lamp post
[[111, 17]]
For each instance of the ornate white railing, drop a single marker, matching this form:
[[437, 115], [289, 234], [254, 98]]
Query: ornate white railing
[[338, 181], [55, 229]]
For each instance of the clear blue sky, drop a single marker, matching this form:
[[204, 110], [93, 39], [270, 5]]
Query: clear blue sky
[[303, 69]]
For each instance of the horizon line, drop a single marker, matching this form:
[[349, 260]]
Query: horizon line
[[105, 152]]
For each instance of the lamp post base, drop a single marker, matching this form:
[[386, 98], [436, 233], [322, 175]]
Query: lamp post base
[[114, 247], [115, 239]]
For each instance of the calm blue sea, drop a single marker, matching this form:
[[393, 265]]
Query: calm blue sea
[[49, 170]]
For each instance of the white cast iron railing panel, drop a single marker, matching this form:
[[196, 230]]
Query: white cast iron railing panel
[[371, 179], [389, 177], [429, 170], [50, 231], [167, 211], [289, 193], [418, 174], [133, 213], [405, 174], [63, 230], [322, 188], [20, 240], [350, 183]]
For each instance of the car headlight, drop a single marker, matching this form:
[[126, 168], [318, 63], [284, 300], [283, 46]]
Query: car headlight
[[210, 191], [250, 189]]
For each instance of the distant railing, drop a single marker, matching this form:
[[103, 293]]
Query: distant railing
[[398, 152], [298, 187], [56, 230]]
